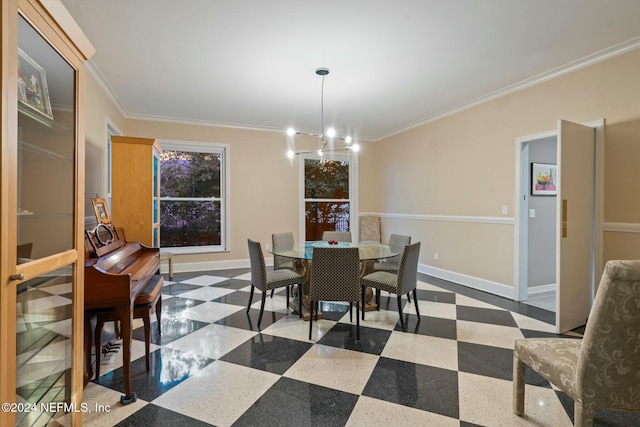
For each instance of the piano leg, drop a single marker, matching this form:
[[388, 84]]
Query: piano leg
[[126, 315]]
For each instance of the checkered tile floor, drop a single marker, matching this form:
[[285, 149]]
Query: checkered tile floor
[[213, 366]]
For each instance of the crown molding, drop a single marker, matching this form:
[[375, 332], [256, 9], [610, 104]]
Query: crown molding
[[583, 62]]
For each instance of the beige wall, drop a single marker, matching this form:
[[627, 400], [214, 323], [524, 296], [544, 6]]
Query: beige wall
[[461, 166], [464, 165]]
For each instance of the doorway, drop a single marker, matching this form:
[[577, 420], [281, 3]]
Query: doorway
[[577, 209], [538, 222]]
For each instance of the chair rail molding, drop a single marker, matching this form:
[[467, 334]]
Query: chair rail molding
[[621, 227], [448, 218]]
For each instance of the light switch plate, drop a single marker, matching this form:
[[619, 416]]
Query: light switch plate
[[532, 213]]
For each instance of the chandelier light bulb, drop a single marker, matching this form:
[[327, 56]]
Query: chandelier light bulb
[[290, 154], [331, 132], [291, 131], [348, 139], [355, 148], [320, 153]]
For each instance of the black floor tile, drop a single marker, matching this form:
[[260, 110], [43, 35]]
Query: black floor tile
[[435, 296], [268, 353], [152, 415], [343, 335], [168, 368], [232, 284], [295, 403], [178, 288], [416, 386], [485, 315], [493, 362], [431, 326], [249, 321], [173, 328], [236, 298], [175, 305]]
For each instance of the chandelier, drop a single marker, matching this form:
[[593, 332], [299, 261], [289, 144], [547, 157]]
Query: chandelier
[[325, 137]]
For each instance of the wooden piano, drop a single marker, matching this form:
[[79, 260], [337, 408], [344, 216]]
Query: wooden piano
[[115, 274]]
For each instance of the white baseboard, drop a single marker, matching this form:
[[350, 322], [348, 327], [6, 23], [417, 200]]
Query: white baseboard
[[539, 289], [187, 267], [494, 288]]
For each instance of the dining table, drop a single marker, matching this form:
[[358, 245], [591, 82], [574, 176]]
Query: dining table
[[301, 253]]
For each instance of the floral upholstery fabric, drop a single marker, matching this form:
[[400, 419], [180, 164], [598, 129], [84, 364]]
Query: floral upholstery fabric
[[556, 359], [602, 369], [370, 229]]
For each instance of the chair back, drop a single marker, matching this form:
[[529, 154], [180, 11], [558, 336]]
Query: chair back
[[609, 360], [258, 268], [370, 229], [408, 269], [281, 241], [397, 242], [338, 236], [335, 274]]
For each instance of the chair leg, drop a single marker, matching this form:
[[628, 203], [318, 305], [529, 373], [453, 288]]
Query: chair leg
[[264, 298], [583, 414], [310, 318], [415, 301], [518, 386], [250, 297], [351, 312], [98, 343], [159, 313], [272, 292], [378, 299], [358, 323], [300, 300], [146, 320], [409, 296], [287, 298], [404, 328], [364, 293]]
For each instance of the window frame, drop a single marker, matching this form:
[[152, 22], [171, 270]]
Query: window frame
[[205, 147], [353, 190]]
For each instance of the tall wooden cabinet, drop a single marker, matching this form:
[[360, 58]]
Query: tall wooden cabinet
[[135, 188], [41, 212]]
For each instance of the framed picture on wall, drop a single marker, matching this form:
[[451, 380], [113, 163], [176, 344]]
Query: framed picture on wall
[[33, 92], [101, 210], [543, 179]]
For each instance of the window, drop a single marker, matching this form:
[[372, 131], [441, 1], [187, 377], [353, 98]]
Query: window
[[328, 196], [193, 189]]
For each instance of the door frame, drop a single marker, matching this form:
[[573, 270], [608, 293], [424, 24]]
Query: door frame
[[520, 235]]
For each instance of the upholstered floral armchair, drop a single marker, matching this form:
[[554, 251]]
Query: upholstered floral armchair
[[602, 370]]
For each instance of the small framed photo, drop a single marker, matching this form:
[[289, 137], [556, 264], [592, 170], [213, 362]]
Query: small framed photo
[[101, 210], [33, 93], [543, 179]]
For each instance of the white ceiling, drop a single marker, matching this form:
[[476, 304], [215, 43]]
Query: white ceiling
[[394, 64]]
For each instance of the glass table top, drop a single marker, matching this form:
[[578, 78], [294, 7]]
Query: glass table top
[[368, 250]]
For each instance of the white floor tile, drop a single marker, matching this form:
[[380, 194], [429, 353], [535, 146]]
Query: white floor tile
[[370, 412], [422, 349], [487, 334], [213, 341]]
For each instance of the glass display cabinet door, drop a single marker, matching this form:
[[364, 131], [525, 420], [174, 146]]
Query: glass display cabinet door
[[46, 223]]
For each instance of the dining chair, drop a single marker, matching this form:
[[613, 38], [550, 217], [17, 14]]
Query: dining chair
[[335, 276], [282, 241], [601, 370], [397, 242], [370, 229], [338, 236], [267, 280], [400, 283]]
